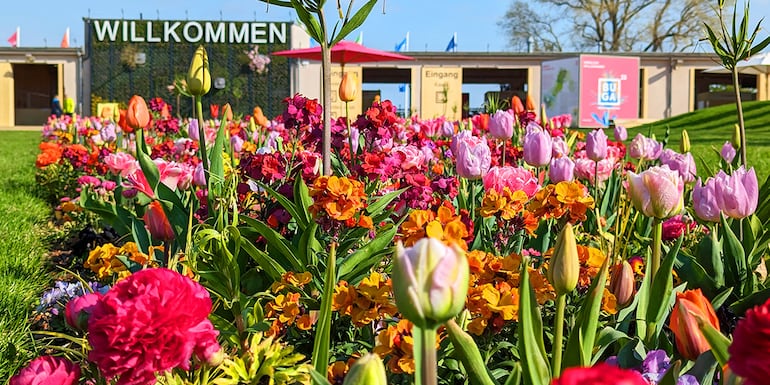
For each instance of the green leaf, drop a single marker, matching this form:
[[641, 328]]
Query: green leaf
[[380, 203], [175, 211], [302, 199], [468, 353], [750, 301], [662, 286], [695, 274], [737, 274], [149, 169], [718, 342], [535, 368], [275, 241], [273, 269], [288, 205], [318, 378], [312, 26], [140, 234], [309, 246], [322, 340], [672, 374], [362, 259], [358, 18], [720, 298], [582, 338], [280, 3], [217, 166]]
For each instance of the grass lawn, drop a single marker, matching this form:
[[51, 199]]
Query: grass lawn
[[22, 276], [711, 127]]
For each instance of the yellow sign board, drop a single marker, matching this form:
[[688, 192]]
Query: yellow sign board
[[108, 111], [442, 92], [338, 106]]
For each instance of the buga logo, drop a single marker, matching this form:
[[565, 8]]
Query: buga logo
[[609, 92]]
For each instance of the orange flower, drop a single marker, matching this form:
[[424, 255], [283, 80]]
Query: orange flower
[[338, 370], [530, 103], [259, 117], [156, 221], [137, 115], [291, 279], [370, 301], [396, 342], [609, 302], [123, 122], [506, 204], [51, 153], [339, 197], [348, 87], [517, 105], [689, 307], [563, 198], [443, 225]]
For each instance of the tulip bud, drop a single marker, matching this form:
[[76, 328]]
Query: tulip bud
[[538, 148], [564, 269], [259, 116], [348, 87], [736, 140], [157, 223], [684, 145], [620, 133], [622, 284], [517, 105], [430, 282], [78, 310], [367, 370], [530, 103], [198, 76], [690, 341], [596, 145], [501, 125], [543, 116], [657, 192], [137, 115], [227, 112]]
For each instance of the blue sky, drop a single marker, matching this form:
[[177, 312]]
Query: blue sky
[[430, 23]]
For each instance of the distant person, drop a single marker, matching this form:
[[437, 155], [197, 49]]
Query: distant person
[[69, 106], [56, 106]]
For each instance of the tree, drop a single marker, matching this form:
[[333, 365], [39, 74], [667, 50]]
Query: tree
[[607, 25]]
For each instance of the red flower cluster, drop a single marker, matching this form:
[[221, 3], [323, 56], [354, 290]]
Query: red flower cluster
[[750, 350], [152, 321], [601, 374]]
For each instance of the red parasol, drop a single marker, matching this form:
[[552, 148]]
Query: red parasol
[[344, 52]]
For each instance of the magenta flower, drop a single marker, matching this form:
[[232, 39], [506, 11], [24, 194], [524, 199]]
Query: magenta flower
[[728, 152], [620, 133], [704, 201], [473, 157], [78, 310], [657, 192], [737, 194], [409, 157], [501, 125], [596, 145], [674, 227], [561, 170], [537, 148], [48, 370], [515, 178], [644, 148], [684, 164]]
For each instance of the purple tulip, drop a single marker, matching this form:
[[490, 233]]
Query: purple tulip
[[620, 133], [537, 148], [737, 194], [473, 157], [501, 125], [561, 170], [728, 152], [657, 192], [596, 145], [447, 129], [560, 147], [684, 164], [237, 143], [645, 148], [704, 201], [192, 130]]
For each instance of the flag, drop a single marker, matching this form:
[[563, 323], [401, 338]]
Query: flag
[[14, 39], [402, 88], [452, 46], [360, 38], [65, 41], [404, 44]]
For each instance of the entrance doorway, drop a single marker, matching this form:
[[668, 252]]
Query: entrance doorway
[[35, 85]]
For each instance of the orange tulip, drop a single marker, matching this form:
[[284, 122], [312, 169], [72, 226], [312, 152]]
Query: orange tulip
[[259, 117], [690, 342], [348, 87], [517, 105], [137, 116], [530, 103], [227, 112], [123, 123], [157, 223]]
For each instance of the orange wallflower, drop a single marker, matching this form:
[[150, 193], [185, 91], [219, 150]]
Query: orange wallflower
[[370, 301], [339, 197], [443, 225], [563, 198], [396, 342], [507, 204], [591, 260], [291, 279], [104, 261], [609, 302], [51, 153]]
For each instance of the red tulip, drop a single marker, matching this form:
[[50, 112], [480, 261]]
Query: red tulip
[[601, 374], [137, 116], [690, 342], [214, 109], [157, 223], [123, 123]]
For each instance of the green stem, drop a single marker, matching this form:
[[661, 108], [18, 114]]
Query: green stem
[[426, 367], [657, 236], [504, 144], [468, 353], [741, 125], [350, 135], [320, 358], [558, 336], [202, 144]]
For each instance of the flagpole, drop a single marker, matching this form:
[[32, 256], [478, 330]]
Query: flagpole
[[454, 38], [408, 87], [18, 36], [407, 41]]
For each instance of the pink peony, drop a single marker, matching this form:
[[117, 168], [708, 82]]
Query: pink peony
[[151, 322], [515, 178], [48, 370]]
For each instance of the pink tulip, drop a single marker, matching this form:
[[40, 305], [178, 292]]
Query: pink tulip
[[199, 176], [48, 370], [473, 157], [704, 200], [561, 169], [587, 169], [728, 152], [515, 178], [78, 310], [537, 148], [684, 164], [410, 157], [559, 147], [237, 143], [457, 138], [620, 133], [501, 125], [657, 192], [156, 221], [170, 172], [737, 194], [121, 163], [645, 148], [138, 182], [596, 145]]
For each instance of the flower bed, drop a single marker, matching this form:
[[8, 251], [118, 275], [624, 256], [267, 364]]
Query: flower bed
[[500, 247]]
